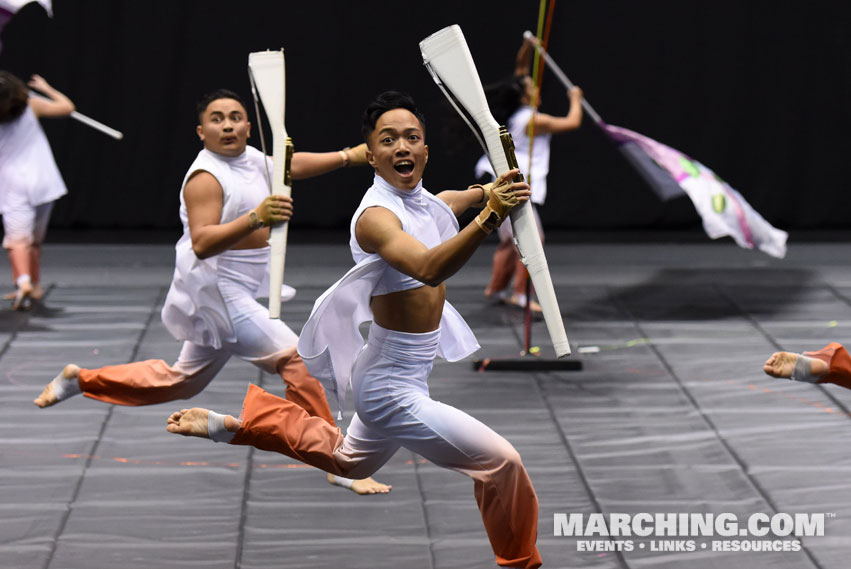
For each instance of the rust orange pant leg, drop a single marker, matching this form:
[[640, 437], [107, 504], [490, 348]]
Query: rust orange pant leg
[[278, 425], [836, 356], [303, 389], [154, 381]]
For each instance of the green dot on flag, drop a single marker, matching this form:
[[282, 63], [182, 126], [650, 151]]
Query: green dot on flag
[[719, 203], [690, 167]]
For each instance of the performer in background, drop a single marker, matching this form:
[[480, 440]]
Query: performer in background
[[406, 243], [830, 364], [221, 262], [513, 104], [29, 179]]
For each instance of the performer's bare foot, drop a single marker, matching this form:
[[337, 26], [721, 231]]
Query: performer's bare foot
[[782, 364], [520, 302], [362, 487], [23, 296], [196, 422], [60, 388], [189, 422]]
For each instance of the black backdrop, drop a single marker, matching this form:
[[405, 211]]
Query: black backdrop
[[756, 90]]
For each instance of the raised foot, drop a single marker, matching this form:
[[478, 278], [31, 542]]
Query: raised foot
[[50, 394], [189, 423], [362, 487], [782, 364]]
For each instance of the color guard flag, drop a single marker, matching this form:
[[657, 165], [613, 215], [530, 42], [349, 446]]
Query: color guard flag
[[724, 211], [8, 8]]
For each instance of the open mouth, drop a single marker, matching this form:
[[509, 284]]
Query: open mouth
[[405, 167], [229, 140]]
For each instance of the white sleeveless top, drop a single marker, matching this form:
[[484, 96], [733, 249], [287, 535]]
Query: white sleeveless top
[[27, 167], [517, 124], [194, 309], [331, 340]]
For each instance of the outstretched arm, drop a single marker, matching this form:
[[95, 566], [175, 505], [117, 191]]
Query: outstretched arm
[[309, 164], [56, 105], [545, 123], [379, 231]]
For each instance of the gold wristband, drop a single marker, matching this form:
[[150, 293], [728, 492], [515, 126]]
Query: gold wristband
[[254, 222]]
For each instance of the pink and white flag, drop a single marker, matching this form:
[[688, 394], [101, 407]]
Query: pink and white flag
[[724, 211]]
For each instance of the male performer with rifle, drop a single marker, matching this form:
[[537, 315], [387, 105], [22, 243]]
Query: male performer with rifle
[[406, 243], [221, 261]]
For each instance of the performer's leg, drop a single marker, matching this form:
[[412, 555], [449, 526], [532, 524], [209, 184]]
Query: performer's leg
[[391, 398], [270, 423], [505, 259], [42, 217], [271, 345], [302, 388], [830, 364], [141, 383], [18, 223]]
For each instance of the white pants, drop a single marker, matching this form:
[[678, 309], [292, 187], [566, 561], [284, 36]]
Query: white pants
[[24, 224]]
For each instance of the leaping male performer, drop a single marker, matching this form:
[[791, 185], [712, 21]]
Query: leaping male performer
[[406, 243], [221, 262]]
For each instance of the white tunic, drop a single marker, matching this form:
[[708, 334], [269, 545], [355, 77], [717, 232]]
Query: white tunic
[[194, 310], [27, 168], [517, 124], [331, 340]]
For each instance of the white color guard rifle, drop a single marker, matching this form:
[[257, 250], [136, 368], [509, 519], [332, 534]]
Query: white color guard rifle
[[448, 59], [266, 71]]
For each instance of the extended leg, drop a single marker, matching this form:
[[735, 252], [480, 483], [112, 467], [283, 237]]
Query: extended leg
[[274, 424], [830, 364], [146, 382]]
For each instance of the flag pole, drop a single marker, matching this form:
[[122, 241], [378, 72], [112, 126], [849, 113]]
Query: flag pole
[[86, 120], [561, 76]]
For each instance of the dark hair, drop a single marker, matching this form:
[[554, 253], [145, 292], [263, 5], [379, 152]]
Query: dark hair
[[205, 101], [13, 97], [387, 101], [505, 97]]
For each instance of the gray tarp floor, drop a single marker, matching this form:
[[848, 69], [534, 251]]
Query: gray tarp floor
[[672, 415]]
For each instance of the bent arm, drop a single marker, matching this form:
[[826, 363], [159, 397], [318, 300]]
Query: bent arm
[[56, 104], [548, 124], [204, 200], [378, 230], [309, 164]]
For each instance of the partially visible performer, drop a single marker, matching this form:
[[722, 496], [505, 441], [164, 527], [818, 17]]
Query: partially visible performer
[[406, 243], [831, 364], [29, 179], [513, 104], [221, 262]]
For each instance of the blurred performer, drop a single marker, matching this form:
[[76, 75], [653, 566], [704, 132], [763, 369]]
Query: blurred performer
[[29, 180], [830, 364], [221, 264], [406, 243], [513, 104]]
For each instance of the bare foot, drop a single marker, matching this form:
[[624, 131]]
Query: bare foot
[[521, 303], [49, 395], [782, 364], [22, 296], [189, 422], [37, 292], [362, 487]]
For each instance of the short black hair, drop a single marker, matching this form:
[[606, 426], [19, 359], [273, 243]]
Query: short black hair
[[387, 101], [205, 101], [13, 97]]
